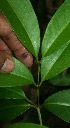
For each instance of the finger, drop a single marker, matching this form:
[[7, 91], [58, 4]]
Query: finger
[[14, 44], [4, 47], [24, 56], [19, 50], [6, 62], [5, 28]]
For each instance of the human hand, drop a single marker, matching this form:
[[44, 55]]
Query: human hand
[[9, 45]]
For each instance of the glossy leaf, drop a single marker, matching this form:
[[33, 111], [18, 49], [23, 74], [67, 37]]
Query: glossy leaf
[[61, 80], [26, 125], [23, 20], [58, 30], [12, 92], [59, 104], [11, 108], [18, 77], [55, 63]]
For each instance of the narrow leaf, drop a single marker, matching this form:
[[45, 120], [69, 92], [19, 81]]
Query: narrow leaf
[[58, 30], [26, 125], [11, 108], [18, 77], [12, 92], [55, 63], [23, 20], [59, 104]]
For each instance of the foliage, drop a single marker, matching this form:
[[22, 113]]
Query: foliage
[[55, 58], [20, 125]]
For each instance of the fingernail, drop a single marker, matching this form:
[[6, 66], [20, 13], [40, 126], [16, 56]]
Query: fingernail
[[7, 66]]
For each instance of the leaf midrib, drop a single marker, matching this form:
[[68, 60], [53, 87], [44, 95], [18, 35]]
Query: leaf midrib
[[15, 106], [55, 62], [60, 104], [20, 76], [17, 93], [21, 24], [56, 38]]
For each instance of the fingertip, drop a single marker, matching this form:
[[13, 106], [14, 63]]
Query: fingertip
[[27, 59], [24, 56], [7, 66]]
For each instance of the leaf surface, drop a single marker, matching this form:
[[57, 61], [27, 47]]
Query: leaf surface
[[26, 125], [18, 77], [12, 92], [55, 63], [11, 108], [22, 18], [59, 104], [58, 30]]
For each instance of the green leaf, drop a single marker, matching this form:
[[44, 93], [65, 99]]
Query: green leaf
[[61, 80], [55, 63], [11, 108], [18, 77], [58, 30], [24, 22], [12, 92], [26, 125], [59, 104]]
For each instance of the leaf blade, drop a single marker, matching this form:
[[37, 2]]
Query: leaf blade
[[26, 125], [58, 30], [13, 92], [59, 104], [55, 63], [25, 24], [11, 108], [18, 77]]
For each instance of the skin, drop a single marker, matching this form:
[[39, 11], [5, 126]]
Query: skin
[[9, 45]]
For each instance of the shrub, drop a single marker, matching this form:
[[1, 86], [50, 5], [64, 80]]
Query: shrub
[[55, 52]]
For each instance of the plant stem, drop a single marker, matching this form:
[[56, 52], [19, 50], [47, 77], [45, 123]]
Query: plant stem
[[38, 74], [38, 95], [38, 107], [30, 102], [39, 114]]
